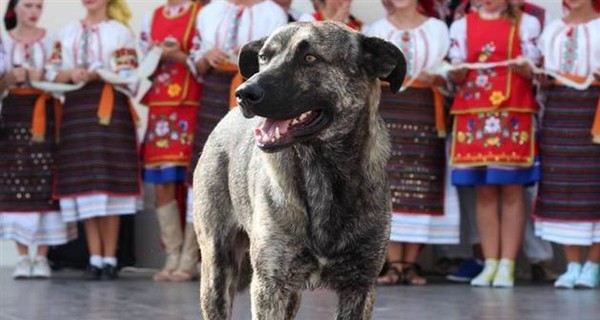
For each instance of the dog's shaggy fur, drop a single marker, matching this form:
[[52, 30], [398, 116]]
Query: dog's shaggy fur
[[306, 206]]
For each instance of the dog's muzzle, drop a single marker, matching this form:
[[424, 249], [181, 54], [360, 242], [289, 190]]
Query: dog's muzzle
[[249, 95]]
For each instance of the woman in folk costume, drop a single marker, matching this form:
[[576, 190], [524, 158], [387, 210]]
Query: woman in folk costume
[[568, 204], [28, 214], [336, 10], [494, 143], [293, 14], [224, 27], [173, 102], [98, 174], [415, 118]]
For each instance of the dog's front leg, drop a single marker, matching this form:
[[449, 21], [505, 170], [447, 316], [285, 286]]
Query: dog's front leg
[[355, 303], [270, 302], [281, 268]]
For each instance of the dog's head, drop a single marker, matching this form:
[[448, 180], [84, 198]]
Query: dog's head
[[312, 80]]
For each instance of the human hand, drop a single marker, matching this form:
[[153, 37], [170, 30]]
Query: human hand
[[544, 80], [17, 75], [215, 57], [458, 76], [523, 69], [79, 75], [171, 49], [35, 75]]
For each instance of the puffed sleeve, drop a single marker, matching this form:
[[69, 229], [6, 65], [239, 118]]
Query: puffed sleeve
[[2, 61], [124, 59], [203, 44], [529, 32], [145, 38], [194, 54], [458, 41], [442, 41]]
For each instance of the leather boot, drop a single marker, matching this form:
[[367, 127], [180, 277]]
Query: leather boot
[[172, 238], [187, 269]]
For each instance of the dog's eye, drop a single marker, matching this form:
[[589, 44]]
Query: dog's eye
[[310, 58], [262, 58]]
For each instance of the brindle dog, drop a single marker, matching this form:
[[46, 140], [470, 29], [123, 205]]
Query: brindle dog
[[291, 188]]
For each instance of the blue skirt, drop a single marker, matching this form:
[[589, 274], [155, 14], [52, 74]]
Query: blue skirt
[[496, 175], [165, 174]]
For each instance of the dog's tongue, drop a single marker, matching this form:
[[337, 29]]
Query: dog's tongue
[[271, 130]]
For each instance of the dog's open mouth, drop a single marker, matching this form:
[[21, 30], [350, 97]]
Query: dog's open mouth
[[275, 134]]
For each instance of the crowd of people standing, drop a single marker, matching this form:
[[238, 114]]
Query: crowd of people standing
[[468, 145]]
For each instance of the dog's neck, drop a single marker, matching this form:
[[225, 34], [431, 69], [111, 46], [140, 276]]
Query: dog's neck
[[334, 176]]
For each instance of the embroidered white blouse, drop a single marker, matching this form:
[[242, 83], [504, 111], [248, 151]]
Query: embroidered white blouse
[[529, 32], [300, 16], [106, 45], [227, 26], [27, 54], [424, 47], [2, 64], [571, 48]]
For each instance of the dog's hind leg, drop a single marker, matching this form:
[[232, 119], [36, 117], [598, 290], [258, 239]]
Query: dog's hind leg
[[355, 303]]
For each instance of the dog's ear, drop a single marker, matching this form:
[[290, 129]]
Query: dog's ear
[[384, 60], [248, 60]]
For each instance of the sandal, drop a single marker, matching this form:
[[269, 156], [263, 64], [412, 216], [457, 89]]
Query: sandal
[[393, 274], [412, 274]]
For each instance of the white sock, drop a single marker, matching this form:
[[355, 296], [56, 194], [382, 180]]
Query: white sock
[[41, 258], [23, 257], [96, 261], [110, 261]]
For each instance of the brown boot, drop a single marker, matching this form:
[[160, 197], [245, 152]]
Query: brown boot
[[187, 269], [172, 238]]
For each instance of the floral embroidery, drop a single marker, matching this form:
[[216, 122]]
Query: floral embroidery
[[56, 56], [569, 51], [164, 79], [473, 88], [481, 80], [487, 51], [493, 129], [125, 58], [492, 125], [497, 97], [406, 46], [169, 129], [174, 90]]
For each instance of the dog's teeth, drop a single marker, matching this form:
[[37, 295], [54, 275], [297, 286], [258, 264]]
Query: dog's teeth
[[303, 116], [277, 133], [295, 122], [273, 139]]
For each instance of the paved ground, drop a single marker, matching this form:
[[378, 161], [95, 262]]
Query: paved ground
[[135, 297]]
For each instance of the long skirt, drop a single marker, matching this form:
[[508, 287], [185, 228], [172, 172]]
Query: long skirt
[[28, 214], [98, 169], [568, 203], [214, 105], [417, 170]]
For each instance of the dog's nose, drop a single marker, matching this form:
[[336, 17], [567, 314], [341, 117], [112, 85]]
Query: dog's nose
[[251, 94]]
